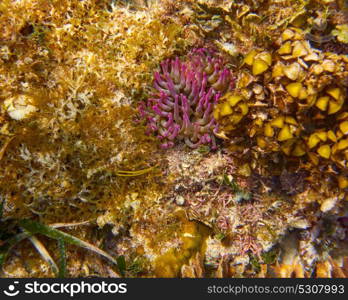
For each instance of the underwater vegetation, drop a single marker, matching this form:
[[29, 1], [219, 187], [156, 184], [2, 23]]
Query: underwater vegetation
[[294, 102], [186, 92], [93, 92]]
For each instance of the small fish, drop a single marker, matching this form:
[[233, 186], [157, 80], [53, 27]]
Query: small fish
[[319, 39]]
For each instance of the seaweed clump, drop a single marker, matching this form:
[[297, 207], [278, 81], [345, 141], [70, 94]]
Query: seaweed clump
[[296, 105], [69, 149]]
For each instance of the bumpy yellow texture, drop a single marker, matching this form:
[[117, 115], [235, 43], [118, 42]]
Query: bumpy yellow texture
[[307, 85]]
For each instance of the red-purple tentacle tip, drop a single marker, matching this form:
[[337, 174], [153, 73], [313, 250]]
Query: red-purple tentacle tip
[[185, 92]]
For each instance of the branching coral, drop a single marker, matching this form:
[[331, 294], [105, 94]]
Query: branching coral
[[182, 106]]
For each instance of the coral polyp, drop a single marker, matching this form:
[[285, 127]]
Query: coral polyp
[[181, 107]]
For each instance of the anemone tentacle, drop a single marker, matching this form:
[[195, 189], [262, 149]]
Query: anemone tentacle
[[181, 107]]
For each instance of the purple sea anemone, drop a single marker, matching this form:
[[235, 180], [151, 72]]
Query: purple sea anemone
[[182, 106]]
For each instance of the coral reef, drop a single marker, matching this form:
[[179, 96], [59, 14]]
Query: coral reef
[[186, 92], [266, 78]]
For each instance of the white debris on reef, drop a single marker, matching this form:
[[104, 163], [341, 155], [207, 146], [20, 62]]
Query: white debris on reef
[[19, 107]]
